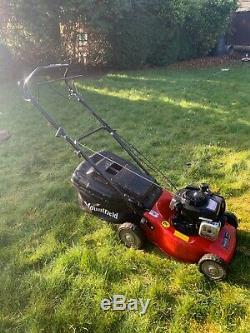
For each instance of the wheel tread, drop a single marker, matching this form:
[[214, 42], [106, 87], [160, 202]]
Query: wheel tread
[[216, 259], [135, 229]]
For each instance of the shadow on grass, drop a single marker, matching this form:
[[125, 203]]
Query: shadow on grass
[[212, 87], [187, 105], [239, 269], [169, 119]]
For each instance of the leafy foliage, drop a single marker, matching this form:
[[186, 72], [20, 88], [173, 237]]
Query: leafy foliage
[[204, 22], [31, 29], [122, 33]]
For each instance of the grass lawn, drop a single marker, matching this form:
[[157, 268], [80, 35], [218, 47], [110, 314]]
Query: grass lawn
[[58, 263]]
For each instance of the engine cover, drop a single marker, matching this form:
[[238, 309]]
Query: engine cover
[[196, 205]]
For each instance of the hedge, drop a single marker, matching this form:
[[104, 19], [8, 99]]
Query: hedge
[[129, 33]]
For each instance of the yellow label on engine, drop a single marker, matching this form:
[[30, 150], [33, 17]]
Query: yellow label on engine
[[178, 234], [165, 224]]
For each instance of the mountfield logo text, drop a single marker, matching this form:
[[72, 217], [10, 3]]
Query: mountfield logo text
[[94, 208]]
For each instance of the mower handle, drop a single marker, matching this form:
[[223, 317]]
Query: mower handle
[[26, 81]]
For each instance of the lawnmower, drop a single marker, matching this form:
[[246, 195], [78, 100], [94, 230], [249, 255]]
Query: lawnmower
[[190, 224]]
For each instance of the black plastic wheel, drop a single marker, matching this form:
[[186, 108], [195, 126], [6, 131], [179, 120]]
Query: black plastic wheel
[[231, 219], [213, 267], [130, 235]]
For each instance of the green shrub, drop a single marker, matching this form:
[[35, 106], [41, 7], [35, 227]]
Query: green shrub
[[123, 33], [161, 32], [130, 42], [204, 22]]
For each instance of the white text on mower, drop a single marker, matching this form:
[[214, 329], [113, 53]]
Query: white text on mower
[[121, 303]]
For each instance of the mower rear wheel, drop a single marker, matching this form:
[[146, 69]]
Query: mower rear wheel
[[231, 219], [213, 267], [130, 235]]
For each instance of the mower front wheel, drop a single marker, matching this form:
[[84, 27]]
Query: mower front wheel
[[213, 267], [130, 235]]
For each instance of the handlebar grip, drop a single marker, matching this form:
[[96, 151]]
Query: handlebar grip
[[41, 68], [34, 72]]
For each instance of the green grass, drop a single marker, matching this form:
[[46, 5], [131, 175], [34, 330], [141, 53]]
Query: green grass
[[57, 263]]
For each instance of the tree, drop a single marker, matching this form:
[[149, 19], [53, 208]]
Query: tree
[[121, 33]]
